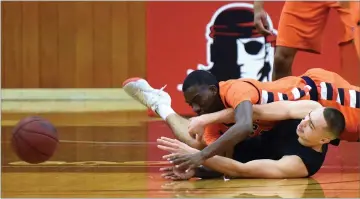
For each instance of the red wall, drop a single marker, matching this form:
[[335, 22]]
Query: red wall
[[178, 43]]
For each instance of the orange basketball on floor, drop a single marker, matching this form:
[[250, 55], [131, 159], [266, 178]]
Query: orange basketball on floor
[[34, 140]]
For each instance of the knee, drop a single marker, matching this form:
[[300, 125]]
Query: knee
[[284, 55], [283, 59]]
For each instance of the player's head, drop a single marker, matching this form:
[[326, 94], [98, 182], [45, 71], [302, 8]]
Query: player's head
[[201, 92], [321, 126]]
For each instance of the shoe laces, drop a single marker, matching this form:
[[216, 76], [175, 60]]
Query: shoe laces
[[157, 94], [154, 94]]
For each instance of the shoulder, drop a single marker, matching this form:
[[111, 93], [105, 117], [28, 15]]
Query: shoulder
[[311, 159], [235, 82], [233, 92], [239, 86]]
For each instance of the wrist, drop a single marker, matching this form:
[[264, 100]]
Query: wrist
[[205, 173], [204, 155], [258, 5], [205, 120], [195, 151]]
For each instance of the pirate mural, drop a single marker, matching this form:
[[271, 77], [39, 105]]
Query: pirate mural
[[234, 47]]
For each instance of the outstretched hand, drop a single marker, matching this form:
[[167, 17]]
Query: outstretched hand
[[181, 155], [186, 161], [172, 173]]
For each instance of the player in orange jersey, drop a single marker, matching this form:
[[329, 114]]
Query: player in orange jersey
[[332, 89], [292, 148], [301, 27], [329, 89], [206, 95]]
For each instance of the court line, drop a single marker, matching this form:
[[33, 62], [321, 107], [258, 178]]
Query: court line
[[99, 142], [210, 189]]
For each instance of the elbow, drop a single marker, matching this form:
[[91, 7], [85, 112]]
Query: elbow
[[248, 127]]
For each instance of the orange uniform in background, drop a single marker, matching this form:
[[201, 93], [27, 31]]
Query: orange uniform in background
[[328, 88], [302, 23], [355, 11]]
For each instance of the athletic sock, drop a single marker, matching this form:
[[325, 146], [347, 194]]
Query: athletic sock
[[164, 111]]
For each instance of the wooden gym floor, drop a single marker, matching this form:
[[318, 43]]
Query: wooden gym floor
[[107, 149]]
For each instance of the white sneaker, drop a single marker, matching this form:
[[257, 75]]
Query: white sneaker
[[140, 90]]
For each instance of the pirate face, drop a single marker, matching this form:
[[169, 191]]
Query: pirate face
[[234, 48], [252, 55]]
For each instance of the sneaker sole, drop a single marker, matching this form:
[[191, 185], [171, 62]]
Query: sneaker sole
[[133, 79], [128, 86]]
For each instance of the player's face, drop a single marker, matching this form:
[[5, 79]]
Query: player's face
[[312, 129], [201, 98]]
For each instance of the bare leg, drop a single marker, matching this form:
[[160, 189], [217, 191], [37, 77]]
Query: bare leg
[[179, 127], [160, 102], [284, 58]]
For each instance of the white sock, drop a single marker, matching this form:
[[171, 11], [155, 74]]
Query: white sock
[[164, 111]]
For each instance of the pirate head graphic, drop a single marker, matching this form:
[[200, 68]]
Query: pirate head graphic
[[235, 49]]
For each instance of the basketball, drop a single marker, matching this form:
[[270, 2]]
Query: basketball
[[34, 140]]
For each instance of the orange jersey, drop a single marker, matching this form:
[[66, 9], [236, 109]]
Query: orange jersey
[[328, 88], [302, 23]]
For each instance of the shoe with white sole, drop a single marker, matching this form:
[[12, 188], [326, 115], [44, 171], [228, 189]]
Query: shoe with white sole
[[140, 90]]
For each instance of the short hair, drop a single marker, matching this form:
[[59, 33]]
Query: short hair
[[199, 77], [335, 121]]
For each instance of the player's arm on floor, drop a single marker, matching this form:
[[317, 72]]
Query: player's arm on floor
[[206, 173], [286, 167]]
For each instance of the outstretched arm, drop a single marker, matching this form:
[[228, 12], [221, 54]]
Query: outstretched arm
[[283, 110], [244, 118], [287, 167], [223, 116], [275, 111]]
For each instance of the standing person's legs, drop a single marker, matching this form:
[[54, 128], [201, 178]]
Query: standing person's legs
[[300, 28], [355, 13], [349, 41]]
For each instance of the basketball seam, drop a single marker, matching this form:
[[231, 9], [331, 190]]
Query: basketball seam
[[18, 128], [32, 147], [31, 131]]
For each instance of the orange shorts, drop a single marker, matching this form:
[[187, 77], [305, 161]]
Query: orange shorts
[[302, 23]]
